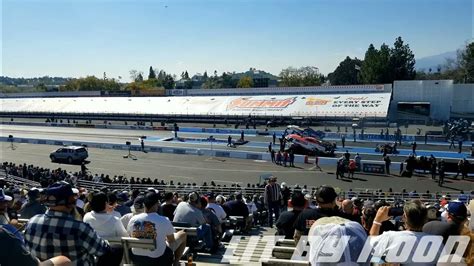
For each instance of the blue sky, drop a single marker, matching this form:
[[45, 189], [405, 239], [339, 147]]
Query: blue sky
[[76, 38]]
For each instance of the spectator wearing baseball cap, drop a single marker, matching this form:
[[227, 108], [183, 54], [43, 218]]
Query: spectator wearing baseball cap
[[121, 208], [4, 201], [190, 212], [326, 200], [457, 216], [151, 225], [135, 193], [14, 205], [57, 232], [137, 208], [33, 206]]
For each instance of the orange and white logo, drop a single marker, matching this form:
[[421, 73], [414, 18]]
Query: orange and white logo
[[243, 103]]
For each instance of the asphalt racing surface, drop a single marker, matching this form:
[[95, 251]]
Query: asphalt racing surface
[[256, 143], [189, 169]]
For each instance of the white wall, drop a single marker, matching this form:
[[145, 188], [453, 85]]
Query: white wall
[[463, 98], [438, 92]]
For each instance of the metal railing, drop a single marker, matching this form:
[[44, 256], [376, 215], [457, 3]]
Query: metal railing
[[365, 194]]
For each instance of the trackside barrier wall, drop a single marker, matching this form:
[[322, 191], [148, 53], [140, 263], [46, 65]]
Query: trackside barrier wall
[[279, 133], [189, 151], [250, 132]]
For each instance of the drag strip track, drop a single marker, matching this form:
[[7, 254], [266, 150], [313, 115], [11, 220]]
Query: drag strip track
[[75, 134], [189, 168], [256, 144]]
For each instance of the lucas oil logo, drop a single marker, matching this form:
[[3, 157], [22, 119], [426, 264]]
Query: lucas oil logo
[[249, 103], [316, 101]]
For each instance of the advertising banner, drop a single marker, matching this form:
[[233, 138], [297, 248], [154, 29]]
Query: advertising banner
[[324, 105]]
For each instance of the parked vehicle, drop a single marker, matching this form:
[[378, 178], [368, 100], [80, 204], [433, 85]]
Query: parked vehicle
[[69, 154]]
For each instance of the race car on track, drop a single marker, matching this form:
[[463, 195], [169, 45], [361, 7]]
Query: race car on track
[[309, 145], [306, 132], [390, 148]]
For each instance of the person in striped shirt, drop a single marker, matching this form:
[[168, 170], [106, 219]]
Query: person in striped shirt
[[272, 199]]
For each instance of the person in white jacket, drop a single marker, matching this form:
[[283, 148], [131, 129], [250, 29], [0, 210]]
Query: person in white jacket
[[218, 210], [106, 225]]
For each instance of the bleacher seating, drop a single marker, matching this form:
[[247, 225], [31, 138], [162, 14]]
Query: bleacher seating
[[132, 242], [284, 249]]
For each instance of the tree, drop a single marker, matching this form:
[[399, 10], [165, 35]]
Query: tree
[[310, 76], [383, 65], [347, 72], [466, 62], [133, 74], [151, 73], [91, 83], [41, 87], [386, 65], [369, 72], [168, 82], [186, 75], [227, 81], [402, 61], [139, 77], [375, 67], [245, 82], [289, 77], [161, 75], [205, 77], [303, 76], [212, 83]]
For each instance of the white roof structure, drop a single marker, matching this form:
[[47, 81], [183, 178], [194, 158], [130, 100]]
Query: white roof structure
[[324, 105]]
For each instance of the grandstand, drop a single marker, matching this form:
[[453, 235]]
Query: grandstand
[[132, 118], [23, 178]]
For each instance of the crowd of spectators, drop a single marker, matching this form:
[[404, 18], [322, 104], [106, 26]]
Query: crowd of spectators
[[66, 220]]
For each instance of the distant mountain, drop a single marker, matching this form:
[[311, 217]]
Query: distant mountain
[[434, 61]]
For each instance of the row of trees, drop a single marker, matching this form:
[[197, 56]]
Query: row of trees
[[154, 80], [387, 64], [90, 83], [379, 66], [167, 81]]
